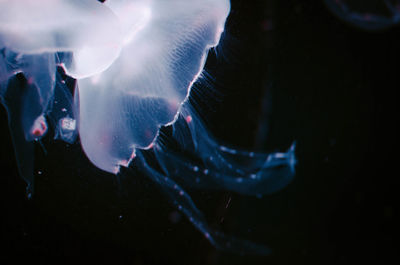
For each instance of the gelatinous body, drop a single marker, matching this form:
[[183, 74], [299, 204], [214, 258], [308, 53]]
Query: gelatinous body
[[134, 62]]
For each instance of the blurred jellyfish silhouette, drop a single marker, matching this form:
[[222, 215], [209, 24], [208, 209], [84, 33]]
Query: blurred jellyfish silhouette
[[366, 14], [133, 63]]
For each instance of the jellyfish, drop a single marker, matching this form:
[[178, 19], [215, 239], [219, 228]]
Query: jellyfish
[[366, 15], [133, 64]]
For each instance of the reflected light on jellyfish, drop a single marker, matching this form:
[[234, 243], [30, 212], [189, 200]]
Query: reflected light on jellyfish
[[134, 63]]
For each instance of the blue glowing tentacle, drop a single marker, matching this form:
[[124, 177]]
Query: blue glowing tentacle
[[275, 173], [185, 204], [366, 21]]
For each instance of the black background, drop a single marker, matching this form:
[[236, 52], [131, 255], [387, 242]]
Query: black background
[[319, 81]]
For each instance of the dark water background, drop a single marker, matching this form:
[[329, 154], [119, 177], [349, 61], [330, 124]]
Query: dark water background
[[314, 79]]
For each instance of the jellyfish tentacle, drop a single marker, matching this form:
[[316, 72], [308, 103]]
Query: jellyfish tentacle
[[184, 203]]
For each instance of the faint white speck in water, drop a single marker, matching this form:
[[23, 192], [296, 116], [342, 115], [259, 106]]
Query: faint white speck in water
[[64, 110], [195, 168], [239, 180], [251, 154], [228, 202], [120, 217], [40, 172], [180, 207], [253, 176], [205, 171], [181, 193]]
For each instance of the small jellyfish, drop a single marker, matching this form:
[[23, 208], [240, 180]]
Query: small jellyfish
[[133, 64]]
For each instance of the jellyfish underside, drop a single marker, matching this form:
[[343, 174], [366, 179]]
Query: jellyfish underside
[[134, 79]]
